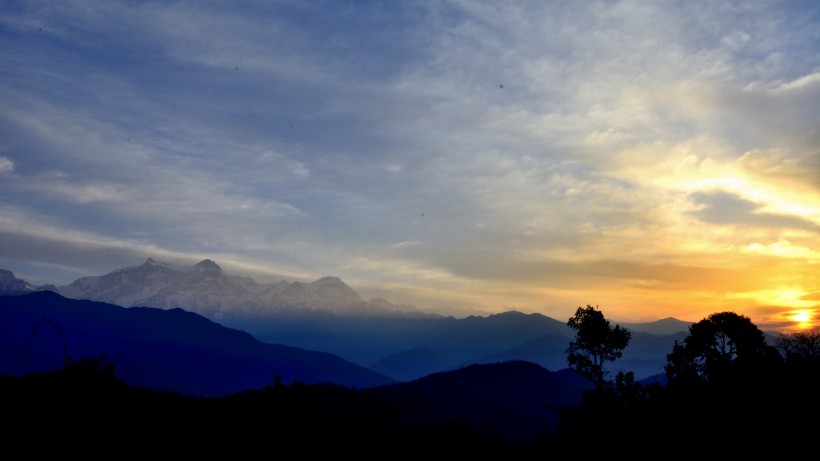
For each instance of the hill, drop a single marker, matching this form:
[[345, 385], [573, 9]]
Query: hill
[[478, 412]]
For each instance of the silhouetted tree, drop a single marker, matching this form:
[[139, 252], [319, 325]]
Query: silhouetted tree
[[801, 351], [716, 344], [726, 388], [801, 345], [91, 365], [595, 344]]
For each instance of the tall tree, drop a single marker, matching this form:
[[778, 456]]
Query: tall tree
[[596, 343], [715, 346]]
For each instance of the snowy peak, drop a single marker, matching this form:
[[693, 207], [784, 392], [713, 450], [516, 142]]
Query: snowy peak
[[334, 288], [150, 264], [205, 289], [11, 285], [328, 293], [330, 280], [206, 265]]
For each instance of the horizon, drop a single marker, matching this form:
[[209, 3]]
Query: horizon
[[654, 159]]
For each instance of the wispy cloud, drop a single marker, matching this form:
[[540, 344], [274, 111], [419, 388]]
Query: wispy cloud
[[6, 165]]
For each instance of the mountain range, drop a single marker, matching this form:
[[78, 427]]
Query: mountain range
[[326, 315], [207, 290]]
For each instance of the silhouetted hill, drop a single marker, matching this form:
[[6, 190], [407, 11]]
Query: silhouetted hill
[[170, 350], [514, 400], [477, 412]]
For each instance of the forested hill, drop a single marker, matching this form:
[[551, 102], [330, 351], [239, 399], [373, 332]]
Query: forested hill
[[86, 408]]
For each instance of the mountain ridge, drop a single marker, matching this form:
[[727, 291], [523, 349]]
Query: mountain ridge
[[164, 349], [204, 288]]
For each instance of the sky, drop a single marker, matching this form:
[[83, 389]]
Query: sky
[[650, 158]]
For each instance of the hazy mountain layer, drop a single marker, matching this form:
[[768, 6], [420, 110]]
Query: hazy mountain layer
[[171, 350], [408, 349]]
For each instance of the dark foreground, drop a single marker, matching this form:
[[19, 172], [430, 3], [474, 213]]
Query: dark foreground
[[86, 411]]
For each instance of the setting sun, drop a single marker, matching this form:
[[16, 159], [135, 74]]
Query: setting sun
[[802, 317]]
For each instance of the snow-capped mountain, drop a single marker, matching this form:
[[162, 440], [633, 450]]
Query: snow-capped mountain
[[207, 290], [11, 285]]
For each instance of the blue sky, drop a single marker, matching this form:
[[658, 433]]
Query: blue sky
[[654, 158]]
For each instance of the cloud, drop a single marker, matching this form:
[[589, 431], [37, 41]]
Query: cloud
[[727, 208], [60, 188], [796, 173], [785, 249], [6, 165]]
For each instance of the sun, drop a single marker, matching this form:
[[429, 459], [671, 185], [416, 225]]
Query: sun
[[803, 318]]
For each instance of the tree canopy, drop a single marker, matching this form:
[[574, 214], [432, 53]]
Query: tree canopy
[[596, 343], [715, 344]]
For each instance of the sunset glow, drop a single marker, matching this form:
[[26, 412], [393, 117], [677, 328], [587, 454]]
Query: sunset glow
[[802, 317], [651, 158]]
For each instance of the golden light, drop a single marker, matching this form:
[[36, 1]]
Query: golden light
[[804, 318], [793, 297], [801, 316], [782, 248]]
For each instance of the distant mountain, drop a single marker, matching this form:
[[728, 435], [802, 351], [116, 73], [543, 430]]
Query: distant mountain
[[230, 300], [413, 363], [514, 336], [11, 285], [170, 350], [548, 351], [666, 326], [457, 312], [417, 346]]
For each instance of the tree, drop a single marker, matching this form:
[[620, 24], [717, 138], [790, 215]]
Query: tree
[[596, 343], [716, 346], [801, 345]]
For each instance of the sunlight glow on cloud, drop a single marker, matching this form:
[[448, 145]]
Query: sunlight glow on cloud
[[791, 297], [784, 248]]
